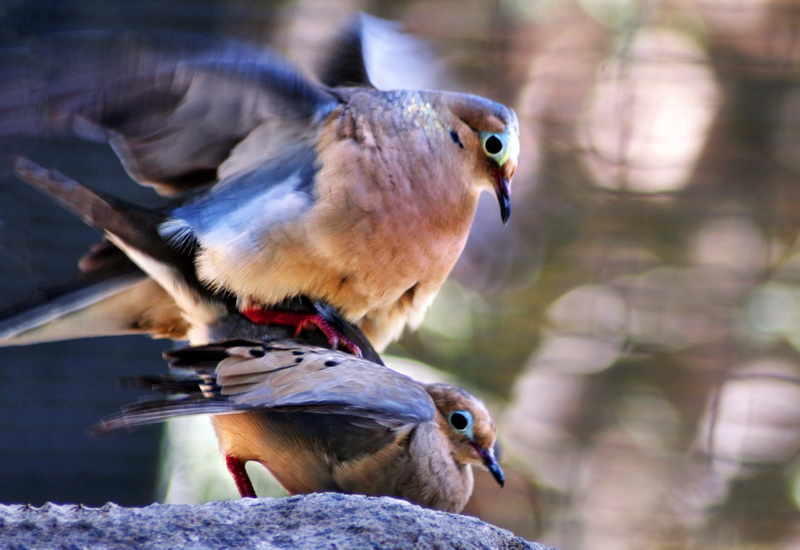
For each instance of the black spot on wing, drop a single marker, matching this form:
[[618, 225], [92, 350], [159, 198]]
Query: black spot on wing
[[279, 369]]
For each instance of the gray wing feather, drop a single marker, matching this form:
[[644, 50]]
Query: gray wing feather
[[375, 52], [287, 377], [301, 376], [159, 410], [269, 192], [79, 312], [173, 106]]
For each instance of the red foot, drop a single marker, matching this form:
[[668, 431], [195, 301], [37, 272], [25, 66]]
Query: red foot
[[240, 477], [301, 321]]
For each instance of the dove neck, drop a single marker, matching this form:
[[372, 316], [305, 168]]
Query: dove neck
[[443, 482], [393, 146]]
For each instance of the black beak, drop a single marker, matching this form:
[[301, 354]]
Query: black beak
[[503, 191], [487, 456]]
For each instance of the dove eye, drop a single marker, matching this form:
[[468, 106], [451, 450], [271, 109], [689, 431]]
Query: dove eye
[[495, 146], [461, 421]]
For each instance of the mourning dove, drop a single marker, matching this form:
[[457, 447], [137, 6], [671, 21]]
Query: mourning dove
[[348, 195], [321, 420]]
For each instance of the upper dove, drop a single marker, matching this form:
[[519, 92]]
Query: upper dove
[[334, 190]]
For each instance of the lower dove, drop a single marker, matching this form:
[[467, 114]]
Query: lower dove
[[321, 420]]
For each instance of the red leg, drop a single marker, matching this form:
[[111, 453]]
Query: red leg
[[240, 477], [301, 321]]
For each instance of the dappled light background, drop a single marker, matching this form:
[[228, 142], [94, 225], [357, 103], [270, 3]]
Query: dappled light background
[[636, 327]]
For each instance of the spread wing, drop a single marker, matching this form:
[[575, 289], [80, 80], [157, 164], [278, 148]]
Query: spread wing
[[375, 52], [172, 106]]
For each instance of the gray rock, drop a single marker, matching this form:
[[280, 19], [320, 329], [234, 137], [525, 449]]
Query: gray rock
[[326, 520]]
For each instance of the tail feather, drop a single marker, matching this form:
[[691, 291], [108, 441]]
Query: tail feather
[[136, 226], [181, 395], [159, 410], [135, 231], [125, 304]]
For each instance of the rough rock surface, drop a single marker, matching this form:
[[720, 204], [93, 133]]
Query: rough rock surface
[[328, 520]]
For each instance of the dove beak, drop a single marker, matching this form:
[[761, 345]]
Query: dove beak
[[502, 188], [488, 459]]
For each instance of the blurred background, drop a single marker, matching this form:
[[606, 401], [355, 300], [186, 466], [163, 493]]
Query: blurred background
[[635, 328]]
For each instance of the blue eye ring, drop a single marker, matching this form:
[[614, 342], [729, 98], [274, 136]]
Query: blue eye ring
[[499, 146], [462, 422], [495, 146]]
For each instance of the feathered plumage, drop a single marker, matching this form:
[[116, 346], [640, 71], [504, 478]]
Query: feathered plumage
[[357, 197], [321, 420]]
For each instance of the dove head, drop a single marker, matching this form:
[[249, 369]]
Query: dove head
[[488, 131], [468, 426]]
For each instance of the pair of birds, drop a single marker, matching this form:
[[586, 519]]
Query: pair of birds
[[302, 205]]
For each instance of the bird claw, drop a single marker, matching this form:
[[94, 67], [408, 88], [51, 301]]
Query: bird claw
[[302, 321]]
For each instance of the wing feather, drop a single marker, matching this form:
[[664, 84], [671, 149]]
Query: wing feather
[[172, 105]]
